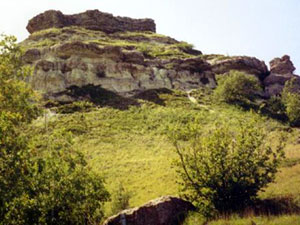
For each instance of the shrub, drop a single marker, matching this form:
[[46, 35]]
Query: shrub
[[291, 100], [237, 87], [41, 181], [221, 170]]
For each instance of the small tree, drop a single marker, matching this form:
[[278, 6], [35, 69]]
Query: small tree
[[237, 87], [291, 100], [222, 170]]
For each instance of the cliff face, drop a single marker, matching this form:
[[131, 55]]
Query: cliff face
[[125, 56], [120, 55]]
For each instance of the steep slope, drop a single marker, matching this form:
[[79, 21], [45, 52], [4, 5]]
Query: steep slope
[[132, 146]]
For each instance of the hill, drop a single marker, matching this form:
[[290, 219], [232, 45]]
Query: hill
[[137, 81]]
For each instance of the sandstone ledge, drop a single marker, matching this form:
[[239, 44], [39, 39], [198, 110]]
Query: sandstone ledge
[[91, 19]]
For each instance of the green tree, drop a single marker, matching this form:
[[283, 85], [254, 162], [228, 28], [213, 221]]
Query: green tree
[[237, 87], [41, 181], [291, 101], [222, 170]]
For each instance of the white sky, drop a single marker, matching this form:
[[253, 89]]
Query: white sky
[[261, 28]]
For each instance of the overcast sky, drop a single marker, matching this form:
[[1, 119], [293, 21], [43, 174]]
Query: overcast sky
[[261, 28]]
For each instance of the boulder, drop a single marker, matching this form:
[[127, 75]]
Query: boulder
[[282, 65], [162, 211], [281, 71], [91, 19], [249, 65]]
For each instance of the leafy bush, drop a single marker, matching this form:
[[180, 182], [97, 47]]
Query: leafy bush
[[291, 100], [223, 170], [273, 107], [41, 181], [237, 87]]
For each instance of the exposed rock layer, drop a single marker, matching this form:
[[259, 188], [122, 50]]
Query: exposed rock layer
[[90, 53], [249, 65], [91, 19], [124, 72], [163, 211]]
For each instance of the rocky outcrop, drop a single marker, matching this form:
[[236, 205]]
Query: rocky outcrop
[[91, 19], [109, 57], [163, 211], [281, 71], [126, 73], [249, 65], [282, 65]]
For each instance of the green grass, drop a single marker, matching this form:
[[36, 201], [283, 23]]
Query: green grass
[[132, 146], [196, 219], [151, 44]]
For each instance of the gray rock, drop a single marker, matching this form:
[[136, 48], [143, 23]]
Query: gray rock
[[163, 211], [249, 65], [281, 71], [91, 19]]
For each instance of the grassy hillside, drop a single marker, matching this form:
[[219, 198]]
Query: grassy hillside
[[132, 146]]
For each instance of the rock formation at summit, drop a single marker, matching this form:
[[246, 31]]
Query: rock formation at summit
[[125, 56], [121, 55], [281, 70], [91, 19]]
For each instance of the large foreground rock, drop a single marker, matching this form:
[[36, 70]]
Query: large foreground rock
[[163, 211], [91, 19]]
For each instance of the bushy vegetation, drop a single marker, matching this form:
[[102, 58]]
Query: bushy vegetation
[[237, 87], [291, 101], [135, 142], [223, 169], [42, 181]]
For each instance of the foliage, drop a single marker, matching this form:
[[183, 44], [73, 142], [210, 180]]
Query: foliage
[[223, 170], [135, 142], [120, 200], [63, 190], [291, 101], [237, 87], [41, 181], [16, 97]]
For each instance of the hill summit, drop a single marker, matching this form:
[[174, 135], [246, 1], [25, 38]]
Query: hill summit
[[91, 54], [91, 19]]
